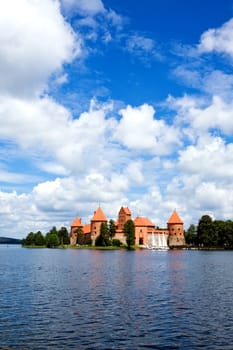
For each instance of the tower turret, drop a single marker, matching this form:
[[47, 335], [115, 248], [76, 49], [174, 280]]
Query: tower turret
[[77, 223], [176, 230], [96, 221]]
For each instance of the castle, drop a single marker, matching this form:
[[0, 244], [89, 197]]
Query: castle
[[144, 228]]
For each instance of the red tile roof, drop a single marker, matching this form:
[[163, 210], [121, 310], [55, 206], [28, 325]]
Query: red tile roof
[[126, 210], [76, 223], [87, 229], [175, 219], [99, 215], [142, 221]]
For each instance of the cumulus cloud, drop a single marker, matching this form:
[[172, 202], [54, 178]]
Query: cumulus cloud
[[35, 41], [218, 40], [203, 115], [211, 158], [42, 125], [139, 130]]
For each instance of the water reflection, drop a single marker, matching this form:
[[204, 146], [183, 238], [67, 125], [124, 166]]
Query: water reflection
[[86, 299]]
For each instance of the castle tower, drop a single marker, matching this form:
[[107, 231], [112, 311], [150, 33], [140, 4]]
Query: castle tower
[[176, 231], [123, 216], [96, 221], [77, 223]]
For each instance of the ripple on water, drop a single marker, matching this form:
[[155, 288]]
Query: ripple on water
[[63, 299]]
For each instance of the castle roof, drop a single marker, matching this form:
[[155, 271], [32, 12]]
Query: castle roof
[[175, 219], [126, 210], [99, 215], [77, 222], [87, 229], [143, 221]]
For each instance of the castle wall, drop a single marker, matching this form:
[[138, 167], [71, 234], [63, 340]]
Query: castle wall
[[140, 235], [120, 236]]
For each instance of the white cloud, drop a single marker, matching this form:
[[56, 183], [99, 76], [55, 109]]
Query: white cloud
[[142, 47], [35, 41], [42, 125], [11, 177], [139, 130], [134, 172], [203, 115], [218, 40], [211, 158], [84, 7]]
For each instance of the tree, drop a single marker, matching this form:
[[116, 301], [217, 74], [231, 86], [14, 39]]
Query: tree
[[30, 239], [206, 233], [39, 239], [52, 240], [80, 239], [224, 231], [191, 235], [63, 236], [129, 232], [112, 229], [103, 239]]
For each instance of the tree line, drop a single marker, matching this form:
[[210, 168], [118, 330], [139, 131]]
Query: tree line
[[55, 238], [52, 239], [210, 233]]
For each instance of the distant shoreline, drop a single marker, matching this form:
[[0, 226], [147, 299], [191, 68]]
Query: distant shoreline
[[7, 240]]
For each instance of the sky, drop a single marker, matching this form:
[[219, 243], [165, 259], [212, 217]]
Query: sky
[[114, 103]]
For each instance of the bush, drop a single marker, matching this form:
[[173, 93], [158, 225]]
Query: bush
[[116, 242]]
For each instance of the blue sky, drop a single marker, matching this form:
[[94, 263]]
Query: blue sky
[[117, 103]]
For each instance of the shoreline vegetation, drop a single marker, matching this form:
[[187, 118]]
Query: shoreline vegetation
[[209, 235], [124, 247]]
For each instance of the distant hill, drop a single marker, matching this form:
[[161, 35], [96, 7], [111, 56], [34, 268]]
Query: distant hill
[[7, 240]]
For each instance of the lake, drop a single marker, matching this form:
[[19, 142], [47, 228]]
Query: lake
[[92, 299]]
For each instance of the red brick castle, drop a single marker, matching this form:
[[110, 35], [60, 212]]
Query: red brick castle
[[145, 229]]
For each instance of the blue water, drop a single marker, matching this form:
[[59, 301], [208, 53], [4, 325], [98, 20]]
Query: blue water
[[86, 299]]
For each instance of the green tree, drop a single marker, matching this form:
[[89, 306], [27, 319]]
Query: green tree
[[103, 239], [206, 232], [224, 231], [63, 236], [112, 229], [191, 235], [80, 236], [228, 234], [39, 239], [52, 240], [30, 239], [129, 232]]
